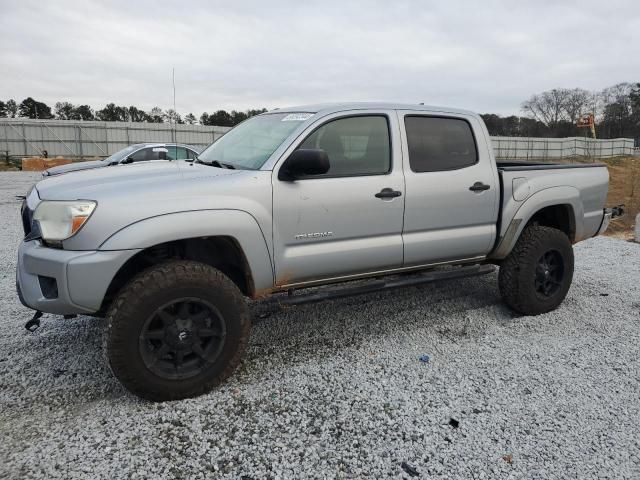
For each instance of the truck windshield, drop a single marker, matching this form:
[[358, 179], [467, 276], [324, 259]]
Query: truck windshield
[[250, 144]]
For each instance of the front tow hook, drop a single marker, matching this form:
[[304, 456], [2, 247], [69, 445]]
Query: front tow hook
[[33, 324]]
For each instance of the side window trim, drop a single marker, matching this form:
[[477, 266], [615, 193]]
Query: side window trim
[[446, 117], [353, 115]]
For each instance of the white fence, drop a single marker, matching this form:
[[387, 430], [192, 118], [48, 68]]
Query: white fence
[[23, 137], [531, 148]]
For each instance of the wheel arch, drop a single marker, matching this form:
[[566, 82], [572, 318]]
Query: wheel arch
[[557, 207], [229, 240]]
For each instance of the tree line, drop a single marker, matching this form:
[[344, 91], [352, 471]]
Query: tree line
[[552, 113], [31, 108]]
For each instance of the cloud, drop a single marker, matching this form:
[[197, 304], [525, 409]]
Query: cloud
[[486, 56]]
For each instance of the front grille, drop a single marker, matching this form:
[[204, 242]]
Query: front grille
[[27, 215]]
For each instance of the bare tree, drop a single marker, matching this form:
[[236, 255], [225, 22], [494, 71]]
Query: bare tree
[[617, 93], [618, 110], [595, 104], [547, 107], [576, 103], [620, 95]]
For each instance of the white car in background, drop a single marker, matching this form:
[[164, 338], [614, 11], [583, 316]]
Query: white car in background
[[140, 152]]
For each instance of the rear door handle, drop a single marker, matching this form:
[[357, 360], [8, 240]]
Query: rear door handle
[[388, 193], [479, 187]]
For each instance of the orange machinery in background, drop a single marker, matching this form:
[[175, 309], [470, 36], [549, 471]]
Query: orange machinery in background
[[587, 121]]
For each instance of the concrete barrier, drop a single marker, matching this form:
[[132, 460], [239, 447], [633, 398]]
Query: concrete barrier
[[38, 164]]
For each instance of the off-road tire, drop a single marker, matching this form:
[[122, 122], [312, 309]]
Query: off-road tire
[[142, 296], [517, 274]]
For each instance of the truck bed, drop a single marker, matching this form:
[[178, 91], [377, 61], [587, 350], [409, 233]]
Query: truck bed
[[581, 186]]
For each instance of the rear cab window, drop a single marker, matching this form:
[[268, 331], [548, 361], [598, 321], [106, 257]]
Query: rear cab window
[[439, 143]]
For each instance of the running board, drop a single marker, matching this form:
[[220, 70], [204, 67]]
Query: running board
[[379, 285]]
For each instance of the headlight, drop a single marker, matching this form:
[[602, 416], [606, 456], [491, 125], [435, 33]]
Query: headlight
[[59, 220]]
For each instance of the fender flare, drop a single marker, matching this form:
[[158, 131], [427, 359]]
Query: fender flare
[[237, 224], [549, 197]]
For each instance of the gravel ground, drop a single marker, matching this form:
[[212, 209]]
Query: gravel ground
[[337, 389]]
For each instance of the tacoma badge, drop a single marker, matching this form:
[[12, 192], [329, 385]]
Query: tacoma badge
[[302, 236]]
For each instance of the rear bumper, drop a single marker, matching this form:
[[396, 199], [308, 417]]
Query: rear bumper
[[606, 219], [608, 215], [65, 282]]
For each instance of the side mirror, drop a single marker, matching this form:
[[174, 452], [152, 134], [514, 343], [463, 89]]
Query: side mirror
[[127, 160], [303, 162]]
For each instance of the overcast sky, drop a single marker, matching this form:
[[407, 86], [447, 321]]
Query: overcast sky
[[486, 56]]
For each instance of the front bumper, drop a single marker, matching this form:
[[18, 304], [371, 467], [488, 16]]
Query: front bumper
[[81, 278]]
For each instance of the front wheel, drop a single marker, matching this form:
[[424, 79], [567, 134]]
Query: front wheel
[[176, 330], [537, 274]]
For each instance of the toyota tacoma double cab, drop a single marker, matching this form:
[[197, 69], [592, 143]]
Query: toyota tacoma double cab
[[295, 198]]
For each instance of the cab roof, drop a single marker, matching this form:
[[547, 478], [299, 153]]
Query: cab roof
[[327, 108]]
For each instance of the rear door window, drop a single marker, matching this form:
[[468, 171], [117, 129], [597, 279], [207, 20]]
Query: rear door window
[[437, 143]]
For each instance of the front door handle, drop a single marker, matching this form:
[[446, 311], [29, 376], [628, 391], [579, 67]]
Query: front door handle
[[479, 187], [388, 193]]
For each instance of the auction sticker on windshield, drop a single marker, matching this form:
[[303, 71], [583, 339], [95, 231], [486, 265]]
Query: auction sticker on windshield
[[297, 117]]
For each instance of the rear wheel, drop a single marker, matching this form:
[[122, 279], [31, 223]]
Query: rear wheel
[[176, 331], [537, 274]]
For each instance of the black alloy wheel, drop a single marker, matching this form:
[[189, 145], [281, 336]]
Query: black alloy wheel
[[536, 276], [181, 338], [549, 273], [176, 330]]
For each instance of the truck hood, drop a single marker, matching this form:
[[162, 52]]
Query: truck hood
[[121, 180], [128, 194]]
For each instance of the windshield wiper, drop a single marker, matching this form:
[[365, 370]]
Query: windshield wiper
[[212, 163], [216, 163]]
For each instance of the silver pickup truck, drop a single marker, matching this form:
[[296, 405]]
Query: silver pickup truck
[[287, 200]]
